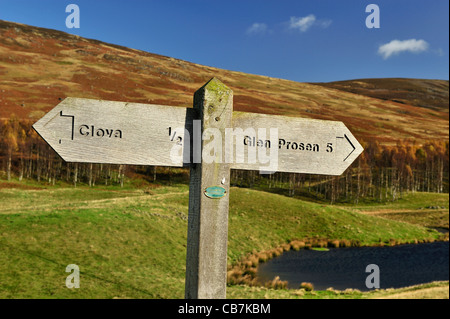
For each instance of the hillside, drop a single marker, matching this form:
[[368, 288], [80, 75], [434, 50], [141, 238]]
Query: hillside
[[39, 67], [431, 94]]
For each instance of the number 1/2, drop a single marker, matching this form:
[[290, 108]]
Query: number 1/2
[[172, 136]]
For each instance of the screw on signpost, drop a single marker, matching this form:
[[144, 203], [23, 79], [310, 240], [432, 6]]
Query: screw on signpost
[[206, 260]]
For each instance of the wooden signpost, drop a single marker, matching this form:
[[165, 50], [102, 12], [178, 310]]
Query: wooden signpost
[[209, 138]]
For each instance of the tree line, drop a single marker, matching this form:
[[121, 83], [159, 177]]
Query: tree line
[[380, 173]]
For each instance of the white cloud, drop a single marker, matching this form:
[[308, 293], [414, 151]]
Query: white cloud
[[304, 23], [396, 47], [257, 28]]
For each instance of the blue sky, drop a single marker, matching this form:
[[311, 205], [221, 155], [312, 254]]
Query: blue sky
[[302, 40]]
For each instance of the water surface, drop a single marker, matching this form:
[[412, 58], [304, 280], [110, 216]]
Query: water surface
[[342, 268]]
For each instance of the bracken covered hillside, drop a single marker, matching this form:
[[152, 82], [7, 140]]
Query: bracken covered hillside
[[40, 67], [432, 94]]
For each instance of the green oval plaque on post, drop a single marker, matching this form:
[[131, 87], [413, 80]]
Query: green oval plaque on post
[[215, 192]]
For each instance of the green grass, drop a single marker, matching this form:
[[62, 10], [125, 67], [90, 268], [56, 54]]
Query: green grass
[[426, 209], [434, 290], [416, 200], [275, 219], [63, 62], [438, 219], [130, 244]]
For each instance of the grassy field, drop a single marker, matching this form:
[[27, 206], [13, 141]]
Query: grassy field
[[426, 209], [434, 290], [131, 243]]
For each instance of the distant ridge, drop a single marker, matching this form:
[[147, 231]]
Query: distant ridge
[[432, 94]]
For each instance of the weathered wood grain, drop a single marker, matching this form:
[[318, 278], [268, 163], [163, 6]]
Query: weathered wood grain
[[95, 131], [206, 261], [300, 145]]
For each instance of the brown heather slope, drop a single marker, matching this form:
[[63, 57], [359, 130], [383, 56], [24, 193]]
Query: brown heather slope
[[432, 94], [39, 67]]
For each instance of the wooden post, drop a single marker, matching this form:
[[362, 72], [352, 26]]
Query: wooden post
[[206, 260]]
